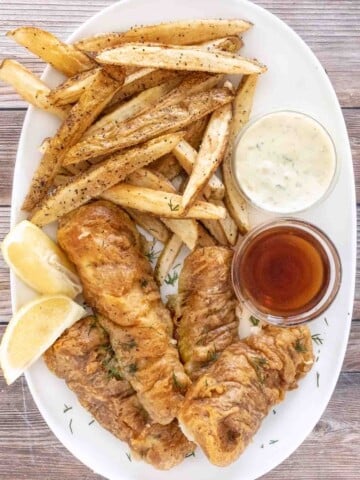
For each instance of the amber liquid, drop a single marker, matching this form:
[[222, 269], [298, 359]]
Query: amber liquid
[[284, 271]]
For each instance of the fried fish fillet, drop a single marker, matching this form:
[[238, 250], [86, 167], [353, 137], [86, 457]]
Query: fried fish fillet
[[224, 408], [103, 243], [83, 357], [205, 310]]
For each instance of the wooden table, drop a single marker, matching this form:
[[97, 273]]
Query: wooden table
[[28, 450]]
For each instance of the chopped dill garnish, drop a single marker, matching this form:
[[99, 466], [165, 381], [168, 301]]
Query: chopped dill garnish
[[258, 363], [171, 279], [113, 372], [176, 266], [176, 382], [91, 422], [299, 347], [66, 408], [128, 456], [273, 441], [70, 426], [151, 254], [212, 355], [132, 368], [326, 321], [262, 445], [255, 321], [173, 208], [318, 379], [274, 411], [192, 454], [317, 339]]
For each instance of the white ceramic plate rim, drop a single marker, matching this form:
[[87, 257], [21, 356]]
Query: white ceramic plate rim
[[80, 453]]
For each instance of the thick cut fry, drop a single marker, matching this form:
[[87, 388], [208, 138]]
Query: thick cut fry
[[167, 258], [153, 225], [149, 125], [29, 87], [80, 118], [173, 57], [181, 33], [210, 155], [168, 166], [214, 227], [133, 107], [228, 224], [204, 238], [195, 132], [186, 155], [242, 105], [162, 204], [99, 178], [71, 90], [140, 80], [185, 229], [65, 58]]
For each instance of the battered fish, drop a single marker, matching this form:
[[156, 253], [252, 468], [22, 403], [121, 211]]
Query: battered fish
[[103, 243], [224, 408], [204, 309], [83, 357]]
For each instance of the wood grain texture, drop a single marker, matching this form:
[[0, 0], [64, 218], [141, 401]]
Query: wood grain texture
[[28, 450], [330, 27]]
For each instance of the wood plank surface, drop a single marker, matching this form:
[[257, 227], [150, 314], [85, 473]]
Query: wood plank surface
[[28, 449]]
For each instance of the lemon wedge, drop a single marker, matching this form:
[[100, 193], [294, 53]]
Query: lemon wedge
[[39, 262], [33, 329]]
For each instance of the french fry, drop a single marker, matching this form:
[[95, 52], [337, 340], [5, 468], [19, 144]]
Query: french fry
[[167, 258], [228, 225], [29, 87], [71, 90], [99, 178], [65, 58], [186, 229], [242, 105], [204, 238], [149, 125], [140, 80], [195, 132], [173, 57], [180, 33], [214, 227], [227, 44], [186, 156], [211, 153], [153, 225], [191, 84], [162, 204], [167, 166], [81, 116], [133, 107]]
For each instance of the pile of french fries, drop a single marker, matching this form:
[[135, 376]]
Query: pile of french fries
[[148, 123]]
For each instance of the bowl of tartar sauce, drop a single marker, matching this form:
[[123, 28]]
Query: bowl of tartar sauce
[[284, 162]]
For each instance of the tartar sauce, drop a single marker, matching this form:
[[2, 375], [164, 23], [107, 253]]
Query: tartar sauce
[[284, 162]]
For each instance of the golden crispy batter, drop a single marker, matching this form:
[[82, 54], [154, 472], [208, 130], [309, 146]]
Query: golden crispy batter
[[83, 357], [224, 408], [206, 321], [103, 243]]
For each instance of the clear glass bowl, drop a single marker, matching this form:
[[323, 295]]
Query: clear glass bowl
[[324, 302], [283, 211]]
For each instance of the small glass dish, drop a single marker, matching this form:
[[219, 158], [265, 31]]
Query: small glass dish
[[244, 289], [274, 179]]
